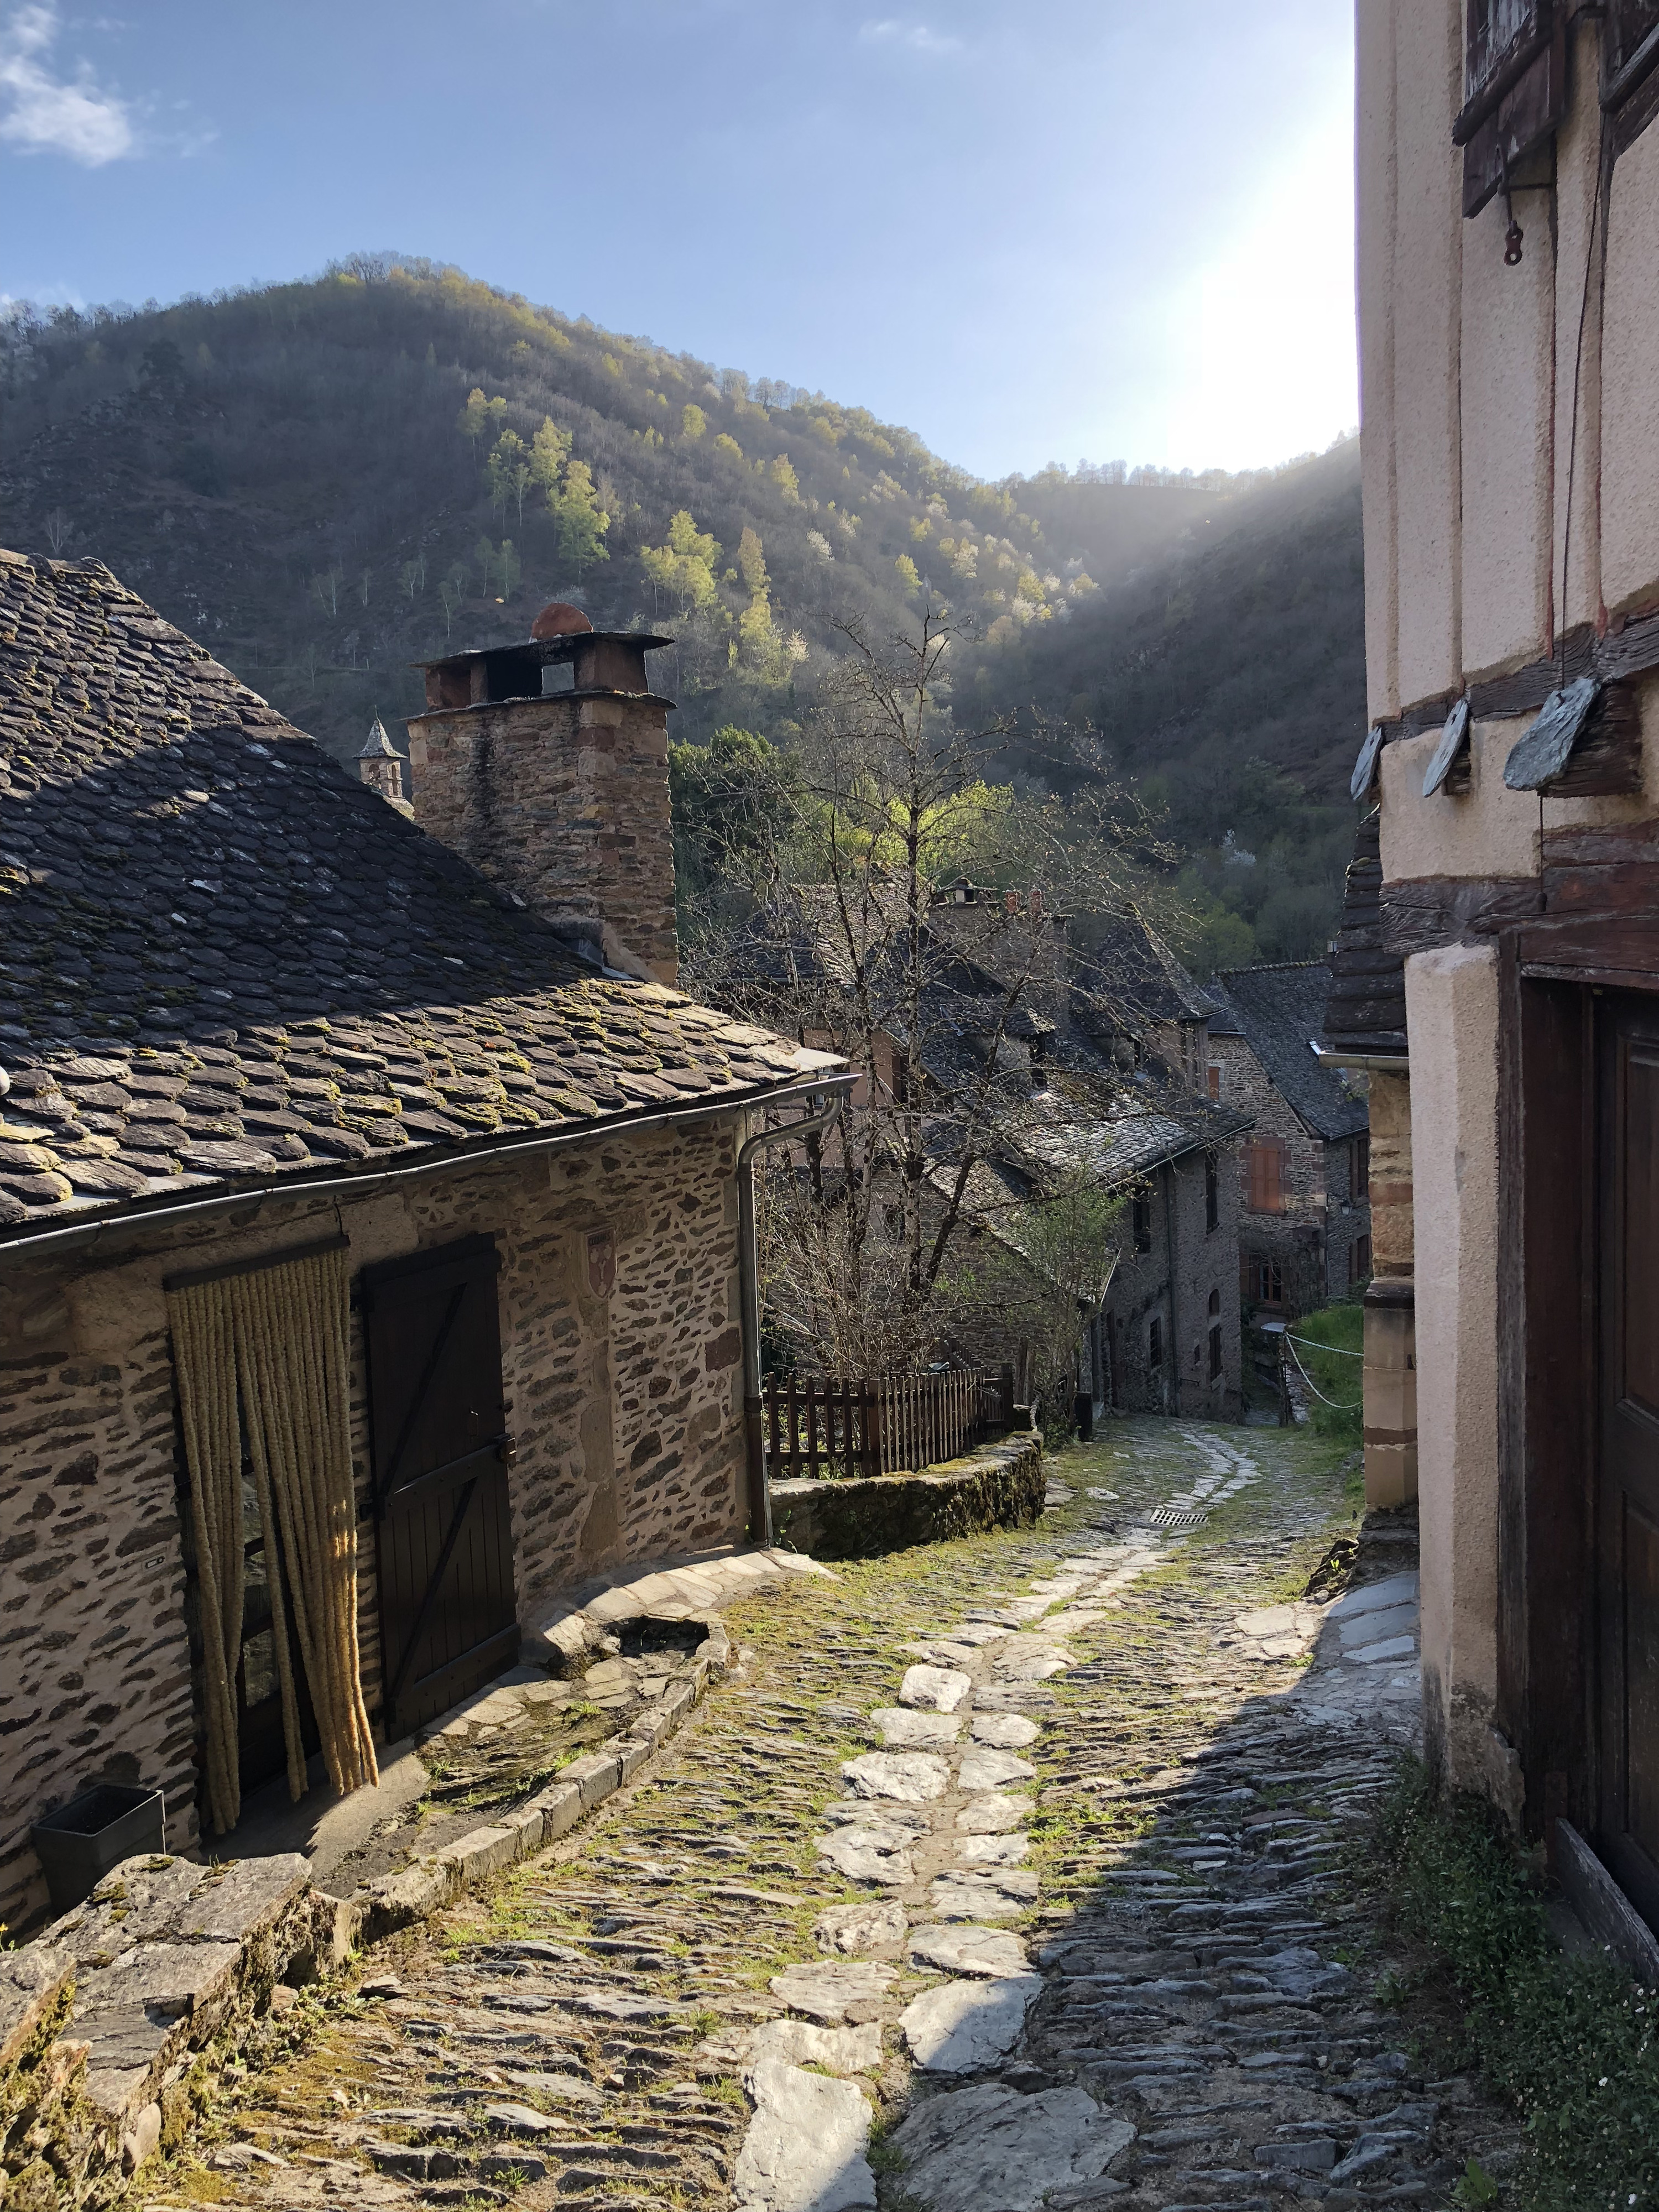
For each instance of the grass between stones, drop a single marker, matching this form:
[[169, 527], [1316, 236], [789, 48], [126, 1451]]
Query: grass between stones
[[1571, 2041]]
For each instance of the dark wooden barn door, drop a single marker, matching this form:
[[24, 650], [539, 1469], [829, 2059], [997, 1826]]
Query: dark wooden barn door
[[1628, 1504], [448, 1614]]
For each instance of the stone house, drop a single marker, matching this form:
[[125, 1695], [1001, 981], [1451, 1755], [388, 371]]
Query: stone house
[[1500, 956], [434, 1143], [1082, 1049], [1305, 1236]]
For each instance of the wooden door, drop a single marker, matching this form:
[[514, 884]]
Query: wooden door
[[448, 1612], [1627, 1537]]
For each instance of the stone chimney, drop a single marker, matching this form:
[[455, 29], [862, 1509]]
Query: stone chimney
[[1011, 934], [379, 764], [557, 786]]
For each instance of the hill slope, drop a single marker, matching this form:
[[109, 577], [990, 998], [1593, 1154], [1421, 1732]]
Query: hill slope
[[302, 476], [1228, 678]]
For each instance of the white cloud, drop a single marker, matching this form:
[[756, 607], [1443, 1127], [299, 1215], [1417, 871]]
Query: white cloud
[[45, 113], [915, 37]]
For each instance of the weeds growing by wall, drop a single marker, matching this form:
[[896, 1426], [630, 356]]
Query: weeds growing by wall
[[1571, 2041]]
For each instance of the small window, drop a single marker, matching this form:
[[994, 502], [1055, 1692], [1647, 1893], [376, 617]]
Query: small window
[[1264, 1280], [1211, 1193], [1215, 1304], [1362, 1169], [1215, 1079], [1215, 1351], [1359, 1259], [1155, 1344], [1264, 1160], [1140, 1217]]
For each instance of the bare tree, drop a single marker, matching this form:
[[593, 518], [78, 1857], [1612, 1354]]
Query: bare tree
[[859, 949], [59, 532]]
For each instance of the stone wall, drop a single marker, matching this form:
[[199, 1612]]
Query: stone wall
[[1391, 1316], [997, 1486], [1314, 1239], [626, 1409], [564, 800], [1205, 1261]]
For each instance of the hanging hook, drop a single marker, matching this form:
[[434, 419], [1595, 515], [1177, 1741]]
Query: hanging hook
[[1513, 235]]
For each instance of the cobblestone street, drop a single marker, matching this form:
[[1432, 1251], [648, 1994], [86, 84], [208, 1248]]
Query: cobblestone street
[[1000, 1874]]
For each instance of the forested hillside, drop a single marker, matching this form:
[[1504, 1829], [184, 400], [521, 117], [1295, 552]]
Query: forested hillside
[[1228, 679], [326, 481]]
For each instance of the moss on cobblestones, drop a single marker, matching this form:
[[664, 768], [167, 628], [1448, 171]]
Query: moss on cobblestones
[[698, 1884]]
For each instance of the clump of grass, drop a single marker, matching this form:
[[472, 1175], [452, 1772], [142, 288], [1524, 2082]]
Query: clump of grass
[[1571, 2042], [1325, 1342]]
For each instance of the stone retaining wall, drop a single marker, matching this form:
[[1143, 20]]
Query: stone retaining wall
[[997, 1486]]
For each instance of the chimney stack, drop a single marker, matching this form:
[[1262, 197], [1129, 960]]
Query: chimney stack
[[559, 790]]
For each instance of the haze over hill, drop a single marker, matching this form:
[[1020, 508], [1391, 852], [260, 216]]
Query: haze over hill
[[326, 481]]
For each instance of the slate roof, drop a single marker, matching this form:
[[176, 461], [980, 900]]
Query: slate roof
[[1366, 1014], [1280, 1011], [1123, 963], [224, 961]]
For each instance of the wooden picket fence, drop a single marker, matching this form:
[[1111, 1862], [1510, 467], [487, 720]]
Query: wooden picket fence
[[841, 1426]]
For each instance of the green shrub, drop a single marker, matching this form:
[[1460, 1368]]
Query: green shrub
[[1335, 1373], [1570, 2042]]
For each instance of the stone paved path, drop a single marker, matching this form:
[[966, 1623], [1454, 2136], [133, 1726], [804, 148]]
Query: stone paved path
[[1002, 1873]]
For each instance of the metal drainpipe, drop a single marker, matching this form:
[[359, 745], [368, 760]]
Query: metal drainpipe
[[834, 1088]]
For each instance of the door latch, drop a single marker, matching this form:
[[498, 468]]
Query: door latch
[[507, 1448]]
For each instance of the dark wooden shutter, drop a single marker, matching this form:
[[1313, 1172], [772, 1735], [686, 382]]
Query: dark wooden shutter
[[1515, 88], [449, 1609], [1629, 67]]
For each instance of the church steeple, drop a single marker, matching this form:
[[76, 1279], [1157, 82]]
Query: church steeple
[[380, 764]]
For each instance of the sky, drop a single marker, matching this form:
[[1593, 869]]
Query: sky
[[1029, 230]]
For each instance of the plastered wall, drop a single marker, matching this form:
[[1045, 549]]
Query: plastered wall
[[1451, 1004], [1486, 389]]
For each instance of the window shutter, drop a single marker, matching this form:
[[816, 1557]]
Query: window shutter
[[1267, 1158], [1630, 66], [1514, 90]]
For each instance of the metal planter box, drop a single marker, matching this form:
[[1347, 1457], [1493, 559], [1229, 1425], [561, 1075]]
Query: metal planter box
[[79, 1843]]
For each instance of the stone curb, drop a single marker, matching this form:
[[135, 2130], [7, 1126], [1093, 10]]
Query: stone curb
[[305, 1936], [434, 1879]]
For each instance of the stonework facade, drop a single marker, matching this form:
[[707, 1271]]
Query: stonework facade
[[624, 1404], [1305, 1224], [564, 800], [1152, 1346]]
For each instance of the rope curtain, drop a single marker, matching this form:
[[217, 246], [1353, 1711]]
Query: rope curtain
[[205, 1359], [271, 1346]]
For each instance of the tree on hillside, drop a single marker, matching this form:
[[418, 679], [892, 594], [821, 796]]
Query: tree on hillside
[[578, 519], [685, 564]]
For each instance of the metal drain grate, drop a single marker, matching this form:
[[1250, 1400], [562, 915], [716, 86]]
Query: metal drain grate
[[1176, 1517]]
